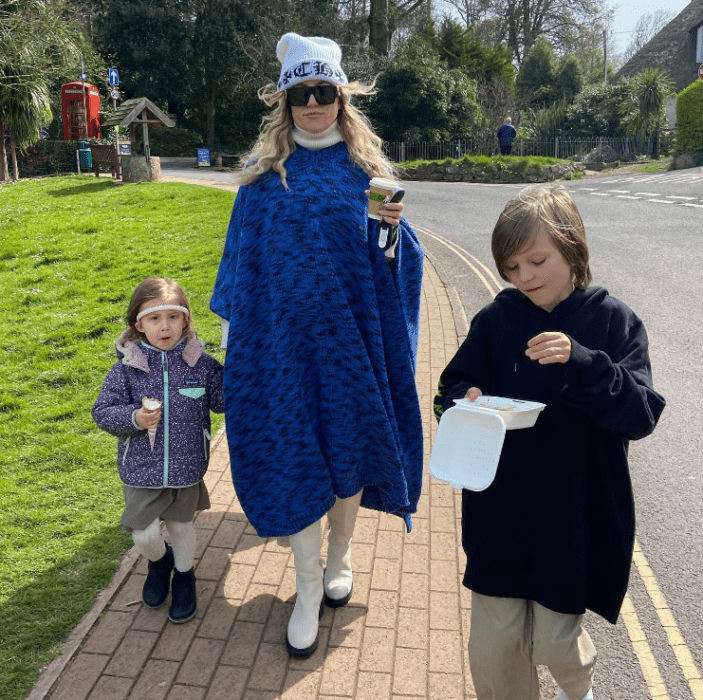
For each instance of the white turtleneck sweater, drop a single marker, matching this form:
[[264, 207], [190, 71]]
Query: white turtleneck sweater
[[316, 142]]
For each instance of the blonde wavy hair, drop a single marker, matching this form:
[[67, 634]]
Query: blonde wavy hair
[[275, 143]]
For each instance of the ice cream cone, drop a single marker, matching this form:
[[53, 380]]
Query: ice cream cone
[[151, 405]]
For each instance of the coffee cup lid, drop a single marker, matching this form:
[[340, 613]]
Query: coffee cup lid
[[383, 182]]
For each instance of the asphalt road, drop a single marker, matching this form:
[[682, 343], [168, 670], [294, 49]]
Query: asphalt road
[[188, 168], [646, 239]]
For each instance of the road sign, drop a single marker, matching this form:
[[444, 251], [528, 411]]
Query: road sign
[[700, 71], [84, 76], [113, 76], [115, 94], [204, 157]]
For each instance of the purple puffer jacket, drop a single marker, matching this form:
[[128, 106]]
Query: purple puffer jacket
[[193, 383]]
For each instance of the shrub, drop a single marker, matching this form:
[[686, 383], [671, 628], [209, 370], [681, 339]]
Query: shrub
[[48, 158], [596, 112], [421, 99], [689, 117]]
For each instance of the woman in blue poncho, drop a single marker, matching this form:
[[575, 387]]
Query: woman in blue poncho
[[320, 402]]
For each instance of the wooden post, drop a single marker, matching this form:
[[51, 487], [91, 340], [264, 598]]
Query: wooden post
[[145, 136], [4, 170]]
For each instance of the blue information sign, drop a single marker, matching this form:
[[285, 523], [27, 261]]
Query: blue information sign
[[113, 76], [204, 156]]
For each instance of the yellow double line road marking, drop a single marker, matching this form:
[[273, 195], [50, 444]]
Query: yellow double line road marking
[[489, 280], [648, 664], [666, 618]]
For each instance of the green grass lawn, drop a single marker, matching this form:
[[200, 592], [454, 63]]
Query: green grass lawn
[[72, 249], [660, 166]]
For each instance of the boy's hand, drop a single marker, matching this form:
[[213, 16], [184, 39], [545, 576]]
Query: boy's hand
[[549, 348], [473, 393], [146, 419]]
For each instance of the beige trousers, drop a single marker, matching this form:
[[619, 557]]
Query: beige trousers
[[510, 637]]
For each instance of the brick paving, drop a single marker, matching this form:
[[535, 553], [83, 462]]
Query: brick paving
[[403, 636]]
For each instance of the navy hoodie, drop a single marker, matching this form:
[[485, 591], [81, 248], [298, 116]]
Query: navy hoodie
[[557, 525]]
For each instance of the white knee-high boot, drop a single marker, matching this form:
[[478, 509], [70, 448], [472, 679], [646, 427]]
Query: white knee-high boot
[[338, 572], [303, 626]]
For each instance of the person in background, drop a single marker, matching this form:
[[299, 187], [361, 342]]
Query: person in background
[[553, 534], [321, 407], [506, 136]]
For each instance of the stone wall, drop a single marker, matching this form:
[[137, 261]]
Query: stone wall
[[466, 172]]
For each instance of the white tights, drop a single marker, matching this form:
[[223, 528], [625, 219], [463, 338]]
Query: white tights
[[151, 544]]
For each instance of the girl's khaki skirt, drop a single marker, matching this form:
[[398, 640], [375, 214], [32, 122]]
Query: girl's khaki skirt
[[143, 506]]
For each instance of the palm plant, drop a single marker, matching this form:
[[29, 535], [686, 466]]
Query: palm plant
[[642, 108], [25, 110], [39, 39]]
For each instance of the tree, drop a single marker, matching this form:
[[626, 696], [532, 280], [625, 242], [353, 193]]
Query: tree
[[647, 27], [204, 60], [518, 24], [497, 100], [40, 40], [569, 78], [25, 110], [420, 98], [472, 12], [490, 66], [544, 80], [149, 43], [537, 79], [463, 49], [385, 17]]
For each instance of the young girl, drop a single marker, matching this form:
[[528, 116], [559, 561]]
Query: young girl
[[553, 534], [163, 449]]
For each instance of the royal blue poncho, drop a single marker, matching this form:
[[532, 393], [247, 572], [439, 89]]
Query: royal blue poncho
[[319, 387]]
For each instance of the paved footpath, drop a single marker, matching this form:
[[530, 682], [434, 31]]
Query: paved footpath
[[403, 635]]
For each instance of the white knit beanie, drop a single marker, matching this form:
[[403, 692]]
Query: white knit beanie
[[309, 58]]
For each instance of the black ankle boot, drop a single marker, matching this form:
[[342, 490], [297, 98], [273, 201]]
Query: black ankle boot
[[183, 602], [158, 580]]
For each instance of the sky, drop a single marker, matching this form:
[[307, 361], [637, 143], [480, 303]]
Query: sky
[[629, 11]]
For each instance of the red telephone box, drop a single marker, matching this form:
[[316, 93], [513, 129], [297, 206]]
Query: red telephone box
[[80, 106]]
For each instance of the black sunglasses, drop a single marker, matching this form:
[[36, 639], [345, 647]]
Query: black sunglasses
[[299, 95]]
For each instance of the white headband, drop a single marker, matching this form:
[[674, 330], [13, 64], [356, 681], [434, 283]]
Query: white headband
[[164, 307]]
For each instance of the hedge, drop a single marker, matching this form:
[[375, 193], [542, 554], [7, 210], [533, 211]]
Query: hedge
[[689, 120]]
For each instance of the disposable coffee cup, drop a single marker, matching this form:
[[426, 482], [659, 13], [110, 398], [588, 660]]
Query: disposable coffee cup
[[380, 192]]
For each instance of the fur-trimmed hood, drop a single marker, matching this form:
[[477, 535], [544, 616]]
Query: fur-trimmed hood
[[133, 356]]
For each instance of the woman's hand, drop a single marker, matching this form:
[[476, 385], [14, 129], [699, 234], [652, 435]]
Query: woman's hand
[[473, 393], [391, 213], [147, 419], [549, 348]]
